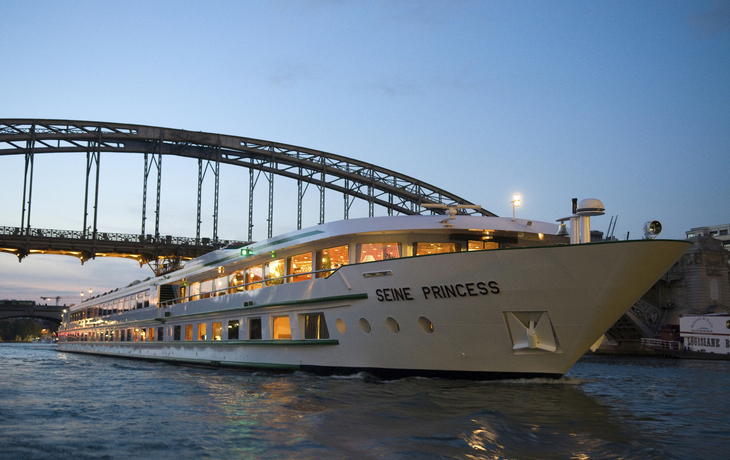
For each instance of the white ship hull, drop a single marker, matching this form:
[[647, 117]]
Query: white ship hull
[[522, 312]]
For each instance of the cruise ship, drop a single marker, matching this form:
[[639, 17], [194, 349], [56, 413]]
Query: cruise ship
[[452, 296]]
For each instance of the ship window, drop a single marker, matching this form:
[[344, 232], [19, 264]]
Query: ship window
[[364, 325], [369, 252], [238, 279], [392, 324], [422, 249], [140, 335], [202, 331], [116, 336], [129, 335], [479, 245], [205, 288], [253, 275], [121, 336], [274, 272], [332, 259], [220, 285], [233, 329], [188, 332], [282, 328], [217, 330], [160, 333], [315, 327], [301, 263], [425, 324], [254, 329], [176, 333], [341, 326], [151, 334], [194, 291]]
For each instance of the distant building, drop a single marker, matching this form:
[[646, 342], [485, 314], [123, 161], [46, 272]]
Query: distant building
[[719, 232], [698, 284]]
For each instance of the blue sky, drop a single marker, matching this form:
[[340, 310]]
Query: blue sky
[[625, 101]]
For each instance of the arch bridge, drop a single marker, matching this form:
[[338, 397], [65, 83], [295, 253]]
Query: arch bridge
[[29, 309], [353, 179]]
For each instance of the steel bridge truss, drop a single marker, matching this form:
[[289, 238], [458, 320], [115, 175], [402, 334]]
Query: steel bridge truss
[[398, 193]]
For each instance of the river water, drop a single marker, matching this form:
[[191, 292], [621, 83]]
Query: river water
[[57, 405]]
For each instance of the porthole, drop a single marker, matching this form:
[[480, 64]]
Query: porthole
[[425, 324], [392, 325], [364, 325], [340, 326]]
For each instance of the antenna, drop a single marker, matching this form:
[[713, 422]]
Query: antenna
[[611, 227]]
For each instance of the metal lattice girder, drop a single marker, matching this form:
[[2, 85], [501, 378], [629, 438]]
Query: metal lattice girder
[[378, 186]]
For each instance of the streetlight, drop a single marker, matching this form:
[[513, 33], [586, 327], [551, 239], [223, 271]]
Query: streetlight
[[515, 204]]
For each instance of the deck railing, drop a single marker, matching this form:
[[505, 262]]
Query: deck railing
[[106, 236], [657, 344]]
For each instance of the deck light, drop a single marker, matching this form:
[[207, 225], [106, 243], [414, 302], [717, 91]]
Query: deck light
[[515, 204]]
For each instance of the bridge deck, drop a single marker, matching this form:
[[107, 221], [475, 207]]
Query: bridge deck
[[142, 248]]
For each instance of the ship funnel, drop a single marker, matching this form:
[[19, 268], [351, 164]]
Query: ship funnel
[[652, 229], [580, 221]]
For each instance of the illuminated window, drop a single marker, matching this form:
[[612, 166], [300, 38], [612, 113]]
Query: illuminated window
[[206, 287], [217, 329], [188, 332], [254, 328], [315, 327], [233, 326], [202, 327], [281, 328], [220, 285], [238, 279], [254, 275], [370, 252], [151, 334], [301, 263], [274, 272], [479, 245], [332, 259], [194, 291], [422, 249]]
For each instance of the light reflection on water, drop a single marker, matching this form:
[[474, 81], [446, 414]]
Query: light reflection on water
[[58, 405]]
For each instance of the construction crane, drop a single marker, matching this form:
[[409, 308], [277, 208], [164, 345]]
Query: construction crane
[[59, 297]]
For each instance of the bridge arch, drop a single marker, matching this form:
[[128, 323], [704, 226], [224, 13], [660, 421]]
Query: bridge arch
[[354, 179]]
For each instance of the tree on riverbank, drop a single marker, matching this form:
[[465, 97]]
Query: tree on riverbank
[[19, 330]]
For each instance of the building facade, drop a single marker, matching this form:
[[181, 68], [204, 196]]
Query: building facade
[[698, 284]]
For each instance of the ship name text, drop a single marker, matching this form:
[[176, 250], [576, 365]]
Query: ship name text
[[445, 291]]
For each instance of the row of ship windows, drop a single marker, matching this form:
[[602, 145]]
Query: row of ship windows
[[300, 268], [314, 327], [292, 269], [131, 302]]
